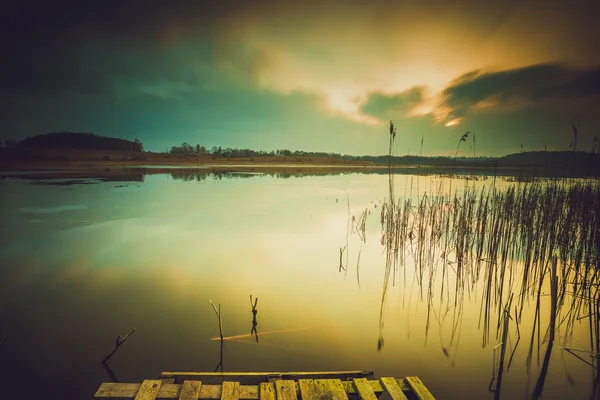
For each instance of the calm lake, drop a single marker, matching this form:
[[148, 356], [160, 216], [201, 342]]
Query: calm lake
[[83, 261]]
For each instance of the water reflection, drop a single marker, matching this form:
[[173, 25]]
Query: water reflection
[[199, 174], [151, 254], [110, 372], [219, 366], [495, 245], [253, 331]]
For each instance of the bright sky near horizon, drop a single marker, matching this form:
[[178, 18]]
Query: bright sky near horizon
[[314, 75]]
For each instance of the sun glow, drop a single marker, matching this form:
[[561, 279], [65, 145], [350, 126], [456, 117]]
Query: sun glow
[[453, 122], [347, 101]]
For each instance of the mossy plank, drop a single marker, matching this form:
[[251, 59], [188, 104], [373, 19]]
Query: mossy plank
[[210, 392], [364, 389], [419, 388], [148, 390], [267, 391], [279, 388], [376, 386], [392, 387], [307, 389], [119, 390], [190, 390], [249, 392], [285, 390], [230, 391], [330, 389], [170, 391]]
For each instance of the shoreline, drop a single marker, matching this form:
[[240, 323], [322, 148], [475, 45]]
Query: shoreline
[[57, 164], [100, 167]]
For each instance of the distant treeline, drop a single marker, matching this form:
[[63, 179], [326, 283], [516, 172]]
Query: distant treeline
[[229, 152], [76, 140], [550, 160]]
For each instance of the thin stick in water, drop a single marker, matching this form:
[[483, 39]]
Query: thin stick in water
[[218, 312], [118, 344]]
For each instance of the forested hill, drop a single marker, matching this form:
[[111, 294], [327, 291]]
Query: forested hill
[[77, 140]]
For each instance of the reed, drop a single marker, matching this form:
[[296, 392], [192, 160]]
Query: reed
[[508, 241]]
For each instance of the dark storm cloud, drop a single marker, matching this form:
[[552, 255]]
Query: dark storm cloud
[[386, 106], [551, 85], [45, 43], [46, 46]]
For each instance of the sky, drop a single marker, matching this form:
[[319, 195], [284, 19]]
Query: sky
[[305, 75]]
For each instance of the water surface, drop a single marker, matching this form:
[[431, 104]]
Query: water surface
[[87, 261]]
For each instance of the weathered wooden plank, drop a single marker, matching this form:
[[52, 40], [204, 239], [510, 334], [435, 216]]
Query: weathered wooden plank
[[330, 389], [118, 390], [364, 389], [392, 387], [307, 389], [322, 389], [230, 391], [376, 386], [267, 391], [246, 392], [210, 391], [249, 378], [285, 390], [167, 380], [190, 390], [419, 388], [148, 390], [170, 391], [249, 392], [350, 389]]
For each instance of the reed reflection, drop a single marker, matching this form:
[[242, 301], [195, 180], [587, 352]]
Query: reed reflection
[[500, 245]]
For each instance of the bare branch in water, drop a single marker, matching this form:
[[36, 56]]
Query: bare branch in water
[[118, 344], [218, 312]]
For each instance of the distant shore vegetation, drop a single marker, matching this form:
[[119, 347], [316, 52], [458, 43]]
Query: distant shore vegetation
[[587, 163]]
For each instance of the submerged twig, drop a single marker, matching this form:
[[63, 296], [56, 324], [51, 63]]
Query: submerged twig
[[254, 331], [218, 312], [118, 344]]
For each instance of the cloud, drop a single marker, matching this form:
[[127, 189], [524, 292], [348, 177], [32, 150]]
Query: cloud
[[390, 106], [237, 69], [555, 86], [341, 49]]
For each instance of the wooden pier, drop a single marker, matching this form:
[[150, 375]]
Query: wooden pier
[[268, 386]]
